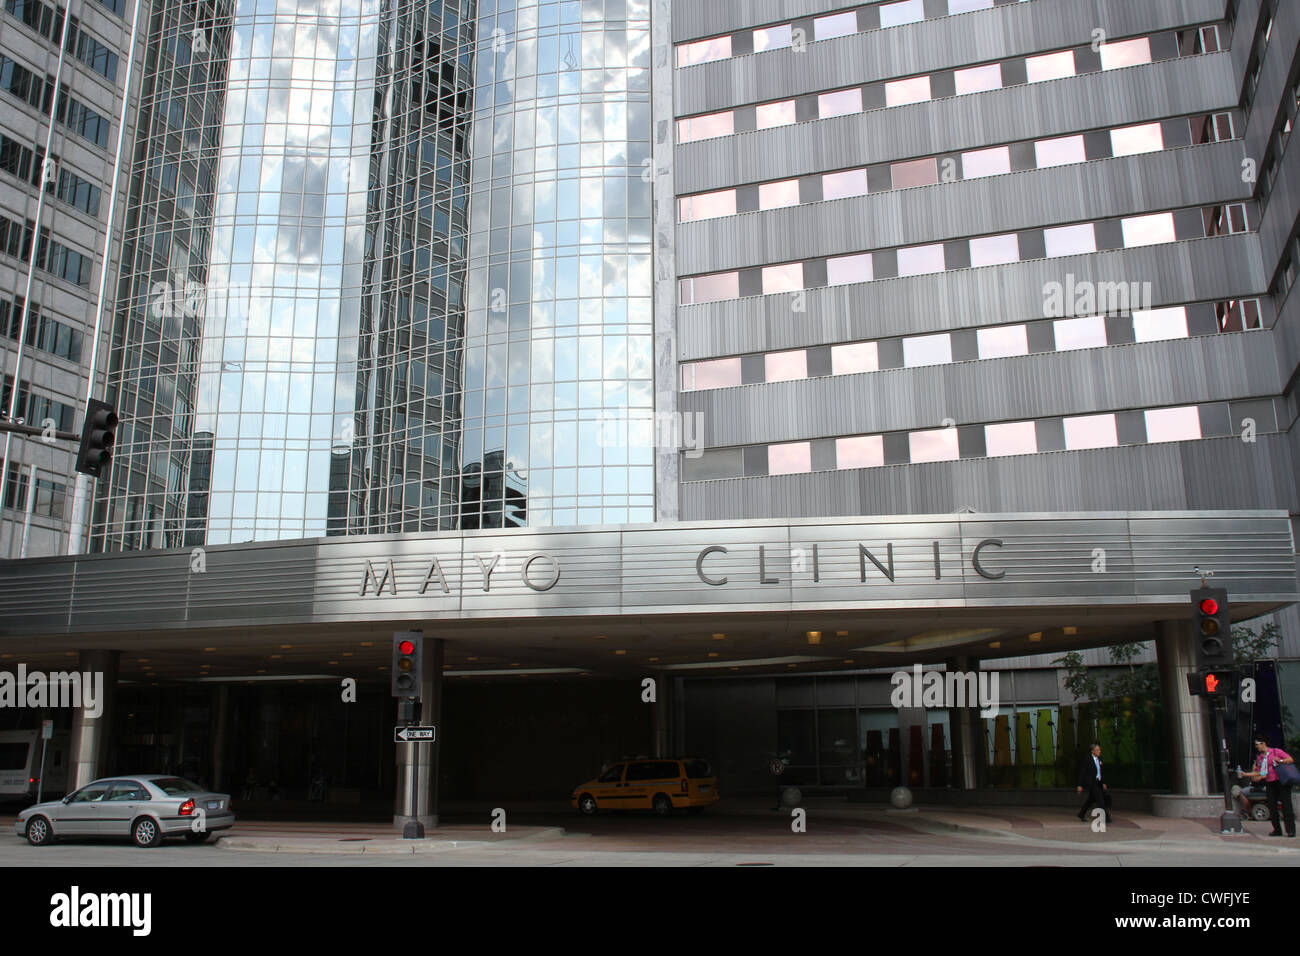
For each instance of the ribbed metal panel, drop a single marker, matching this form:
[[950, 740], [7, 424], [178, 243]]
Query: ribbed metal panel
[[630, 572], [1198, 270], [926, 47], [1244, 36], [1093, 101], [1279, 56], [1203, 474], [1147, 375], [1096, 190], [1279, 214]]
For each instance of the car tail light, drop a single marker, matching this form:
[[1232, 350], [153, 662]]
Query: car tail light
[[683, 785], [187, 808], [33, 780]]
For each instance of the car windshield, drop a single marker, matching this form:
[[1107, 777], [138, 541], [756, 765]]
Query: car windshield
[[175, 786]]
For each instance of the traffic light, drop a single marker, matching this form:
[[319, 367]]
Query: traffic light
[[96, 438], [408, 646], [1212, 683], [1213, 628]]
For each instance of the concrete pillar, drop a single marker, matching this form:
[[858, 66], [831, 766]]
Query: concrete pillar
[[1186, 726], [421, 760], [89, 742], [967, 736], [221, 712]]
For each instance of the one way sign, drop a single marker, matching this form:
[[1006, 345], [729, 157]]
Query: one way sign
[[404, 735]]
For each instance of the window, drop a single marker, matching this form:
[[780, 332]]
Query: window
[[1125, 53], [613, 775], [723, 285], [839, 103], [966, 6], [1085, 333], [786, 278], [778, 195], [1090, 431], [1011, 438], [785, 366], [1173, 424], [927, 350], [920, 260], [937, 445], [1059, 152], [1132, 140], [896, 14], [1070, 240], [865, 451], [978, 79], [1148, 230], [902, 92], [986, 162], [843, 185], [792, 459], [718, 373], [854, 357], [770, 115], [918, 172], [772, 38], [703, 51], [848, 269], [994, 250], [1050, 66], [1153, 325], [708, 205], [705, 127], [837, 25], [1238, 314], [1003, 341]]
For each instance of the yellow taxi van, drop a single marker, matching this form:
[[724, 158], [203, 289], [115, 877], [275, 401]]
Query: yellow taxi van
[[661, 784]]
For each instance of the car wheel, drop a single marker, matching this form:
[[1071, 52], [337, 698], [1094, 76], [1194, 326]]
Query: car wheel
[[663, 805], [587, 805], [1259, 811], [39, 832], [145, 832], [193, 837]]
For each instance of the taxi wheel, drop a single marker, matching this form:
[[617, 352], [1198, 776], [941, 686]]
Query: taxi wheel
[[587, 805], [39, 832], [145, 832], [663, 805]]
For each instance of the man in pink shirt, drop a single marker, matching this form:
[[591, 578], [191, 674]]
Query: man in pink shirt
[[1266, 764]]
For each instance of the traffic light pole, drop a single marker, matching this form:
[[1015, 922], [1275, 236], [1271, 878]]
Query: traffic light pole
[[1230, 822]]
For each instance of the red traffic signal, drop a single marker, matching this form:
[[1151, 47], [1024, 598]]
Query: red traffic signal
[[1213, 623], [1220, 683], [406, 672], [406, 647], [1209, 606]]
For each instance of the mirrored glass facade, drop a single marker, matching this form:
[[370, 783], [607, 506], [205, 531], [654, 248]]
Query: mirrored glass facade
[[387, 269]]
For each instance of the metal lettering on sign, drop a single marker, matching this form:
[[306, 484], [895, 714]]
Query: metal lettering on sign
[[409, 735]]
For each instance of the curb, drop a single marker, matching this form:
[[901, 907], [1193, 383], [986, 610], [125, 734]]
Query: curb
[[386, 846]]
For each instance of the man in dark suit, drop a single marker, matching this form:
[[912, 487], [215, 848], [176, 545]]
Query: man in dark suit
[[1090, 781]]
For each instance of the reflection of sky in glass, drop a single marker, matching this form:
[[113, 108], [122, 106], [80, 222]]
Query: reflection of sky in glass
[[558, 343], [279, 352]]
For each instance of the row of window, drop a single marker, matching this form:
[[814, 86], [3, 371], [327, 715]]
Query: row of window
[[999, 341], [35, 409], [51, 496], [1255, 64], [1049, 243], [956, 82], [780, 36], [1281, 135], [22, 83], [1070, 433], [51, 256], [48, 22], [25, 163], [953, 167], [43, 332]]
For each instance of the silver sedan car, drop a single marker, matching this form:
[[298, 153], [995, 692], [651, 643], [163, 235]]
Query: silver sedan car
[[143, 807]]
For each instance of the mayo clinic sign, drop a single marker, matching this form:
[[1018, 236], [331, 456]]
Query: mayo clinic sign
[[860, 564]]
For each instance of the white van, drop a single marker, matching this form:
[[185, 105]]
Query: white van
[[20, 764]]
